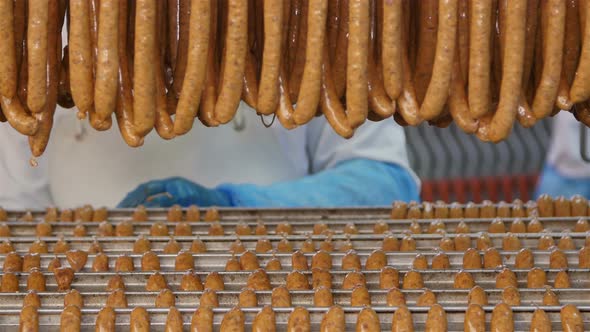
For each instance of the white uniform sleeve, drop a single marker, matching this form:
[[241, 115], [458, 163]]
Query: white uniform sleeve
[[21, 186], [382, 141], [564, 150]]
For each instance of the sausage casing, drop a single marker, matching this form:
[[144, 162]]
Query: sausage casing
[[107, 61], [38, 16], [71, 319], [299, 320], [194, 78], [29, 319], [144, 73]]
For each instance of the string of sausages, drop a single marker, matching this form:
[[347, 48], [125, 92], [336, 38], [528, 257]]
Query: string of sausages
[[162, 64]]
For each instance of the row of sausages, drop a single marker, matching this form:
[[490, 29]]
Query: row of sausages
[[483, 65], [472, 258], [367, 320], [160, 228], [87, 213], [281, 297], [404, 242], [545, 206], [297, 280]]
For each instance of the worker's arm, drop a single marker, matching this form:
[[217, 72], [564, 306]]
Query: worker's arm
[[369, 169], [354, 182]]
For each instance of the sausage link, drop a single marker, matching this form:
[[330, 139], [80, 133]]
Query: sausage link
[[524, 113], [339, 63], [512, 69], [463, 36], [182, 48], [233, 321], [105, 320], [233, 61], [20, 15], [70, 319], [163, 122], [379, 102], [402, 320], [333, 320], [436, 319], [502, 320], [531, 36], [580, 89], [29, 319], [18, 117], [437, 92], [198, 46], [571, 319], [309, 92], [250, 81], [8, 68], [479, 57], [173, 320], [571, 54], [202, 320], [458, 103], [299, 320], [427, 26], [264, 321], [540, 321], [38, 142], [124, 109], [268, 90], [107, 62], [356, 67], [37, 55], [139, 320], [367, 321], [330, 103], [299, 52], [144, 76], [292, 33], [280, 297], [407, 102], [209, 95], [553, 36], [80, 56], [172, 12], [475, 319], [391, 48]]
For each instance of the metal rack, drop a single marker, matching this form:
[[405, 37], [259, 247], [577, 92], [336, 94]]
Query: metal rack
[[92, 285]]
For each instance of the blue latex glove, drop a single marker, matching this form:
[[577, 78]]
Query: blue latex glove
[[555, 184], [167, 192], [355, 182]]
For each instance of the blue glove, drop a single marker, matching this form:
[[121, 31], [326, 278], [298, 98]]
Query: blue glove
[[167, 192], [556, 184], [356, 182]]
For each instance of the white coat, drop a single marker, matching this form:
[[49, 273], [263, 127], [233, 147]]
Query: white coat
[[564, 150], [83, 166]]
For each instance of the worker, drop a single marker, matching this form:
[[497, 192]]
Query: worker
[[238, 164], [565, 172]]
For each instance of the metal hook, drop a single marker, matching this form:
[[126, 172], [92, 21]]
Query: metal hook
[[274, 115]]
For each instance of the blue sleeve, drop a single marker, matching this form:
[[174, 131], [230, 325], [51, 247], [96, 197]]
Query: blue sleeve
[[357, 182]]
